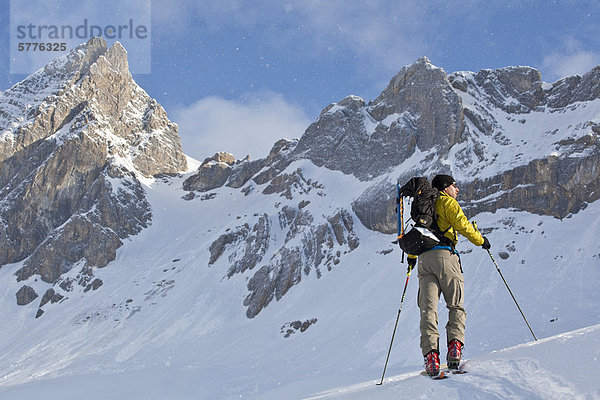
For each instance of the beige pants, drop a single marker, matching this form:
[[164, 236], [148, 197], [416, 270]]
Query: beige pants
[[439, 273]]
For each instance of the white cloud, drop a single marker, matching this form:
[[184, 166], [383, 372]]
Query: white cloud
[[561, 65], [571, 60], [249, 127]]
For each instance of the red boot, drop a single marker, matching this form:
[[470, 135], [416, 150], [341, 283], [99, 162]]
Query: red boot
[[432, 363], [454, 353]]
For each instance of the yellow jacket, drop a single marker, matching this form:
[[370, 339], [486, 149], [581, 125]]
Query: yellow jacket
[[451, 216]]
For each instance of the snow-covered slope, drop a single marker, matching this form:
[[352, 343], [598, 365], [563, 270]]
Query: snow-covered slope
[[548, 369], [166, 325]]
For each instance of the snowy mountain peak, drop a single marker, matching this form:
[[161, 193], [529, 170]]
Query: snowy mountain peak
[[78, 136], [422, 72]]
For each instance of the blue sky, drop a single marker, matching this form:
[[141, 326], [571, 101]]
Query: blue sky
[[237, 75]]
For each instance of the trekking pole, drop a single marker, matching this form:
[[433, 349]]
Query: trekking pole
[[513, 297], [400, 211], [394, 333], [509, 291]]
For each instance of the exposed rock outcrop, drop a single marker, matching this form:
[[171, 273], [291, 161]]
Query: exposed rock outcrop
[[212, 173], [224, 170], [26, 295], [307, 247]]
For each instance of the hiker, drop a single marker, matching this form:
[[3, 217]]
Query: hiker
[[440, 271]]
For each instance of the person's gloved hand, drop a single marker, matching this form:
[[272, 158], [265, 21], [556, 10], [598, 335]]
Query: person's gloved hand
[[412, 261], [486, 244]]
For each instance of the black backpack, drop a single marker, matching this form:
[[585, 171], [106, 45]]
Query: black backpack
[[425, 234]]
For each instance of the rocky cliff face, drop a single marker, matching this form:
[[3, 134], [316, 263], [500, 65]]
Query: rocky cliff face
[[77, 137], [550, 131], [418, 110]]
